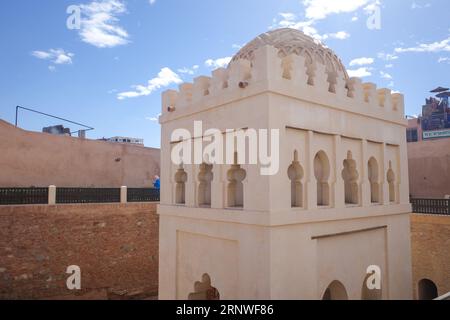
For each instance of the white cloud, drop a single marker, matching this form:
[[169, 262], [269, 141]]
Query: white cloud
[[289, 20], [237, 46], [444, 59], [191, 71], [371, 7], [218, 63], [389, 66], [438, 46], [355, 18], [360, 73], [152, 1], [341, 35], [55, 56], [320, 9], [288, 16], [99, 23], [165, 78], [361, 62], [153, 119], [415, 5], [385, 75], [387, 56]]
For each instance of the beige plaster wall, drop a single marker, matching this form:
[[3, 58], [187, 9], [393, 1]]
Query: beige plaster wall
[[429, 168], [40, 159]]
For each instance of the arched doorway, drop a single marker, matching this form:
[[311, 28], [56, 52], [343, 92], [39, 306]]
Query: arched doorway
[[427, 290], [335, 291], [203, 290]]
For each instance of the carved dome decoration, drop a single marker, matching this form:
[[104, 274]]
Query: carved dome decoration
[[289, 41]]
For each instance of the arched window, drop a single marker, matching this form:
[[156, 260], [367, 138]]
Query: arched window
[[374, 180], [295, 174], [391, 182], [322, 174], [235, 189], [180, 188], [335, 291], [350, 176], [203, 290], [427, 290], [205, 177]]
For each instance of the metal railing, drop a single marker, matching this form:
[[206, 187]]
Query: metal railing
[[431, 206], [142, 195], [16, 196], [87, 195], [53, 195]]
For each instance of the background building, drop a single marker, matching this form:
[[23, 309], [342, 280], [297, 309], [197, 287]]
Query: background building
[[57, 130], [428, 139]]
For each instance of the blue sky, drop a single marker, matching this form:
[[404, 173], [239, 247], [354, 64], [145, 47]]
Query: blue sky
[[109, 74]]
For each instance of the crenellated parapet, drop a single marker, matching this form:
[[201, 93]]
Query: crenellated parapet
[[294, 75]]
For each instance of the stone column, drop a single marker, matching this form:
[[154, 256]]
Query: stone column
[[52, 195], [338, 186], [383, 172], [366, 199], [191, 185], [123, 194], [311, 183], [217, 188]]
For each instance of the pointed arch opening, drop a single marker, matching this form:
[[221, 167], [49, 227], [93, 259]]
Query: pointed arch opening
[[391, 183], [235, 189], [322, 174], [295, 174], [350, 176], [335, 291], [374, 180], [180, 188], [205, 177]]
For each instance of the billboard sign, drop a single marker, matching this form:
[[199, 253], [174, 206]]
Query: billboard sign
[[436, 134]]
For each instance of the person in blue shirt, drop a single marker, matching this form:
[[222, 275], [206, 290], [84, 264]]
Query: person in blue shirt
[[157, 183]]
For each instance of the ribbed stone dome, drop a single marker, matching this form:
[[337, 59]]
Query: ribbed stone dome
[[294, 41]]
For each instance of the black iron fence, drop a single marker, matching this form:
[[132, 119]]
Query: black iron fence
[[142, 195], [24, 196], [87, 195], [16, 196], [431, 206]]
